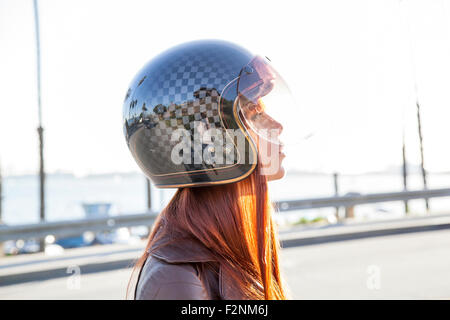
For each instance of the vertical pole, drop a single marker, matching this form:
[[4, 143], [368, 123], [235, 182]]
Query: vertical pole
[[336, 190], [40, 129], [149, 195], [350, 212], [416, 91], [405, 173], [41, 175], [422, 161]]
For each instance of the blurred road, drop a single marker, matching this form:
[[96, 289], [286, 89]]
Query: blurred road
[[408, 266], [405, 266]]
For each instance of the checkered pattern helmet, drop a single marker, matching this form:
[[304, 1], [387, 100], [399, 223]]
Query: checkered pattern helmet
[[185, 89]]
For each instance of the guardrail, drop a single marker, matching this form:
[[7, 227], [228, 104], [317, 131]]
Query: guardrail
[[74, 227], [77, 227], [353, 199]]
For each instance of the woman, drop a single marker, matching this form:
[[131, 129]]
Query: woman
[[195, 119]]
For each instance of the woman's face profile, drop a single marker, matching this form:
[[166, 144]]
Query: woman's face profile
[[270, 150]]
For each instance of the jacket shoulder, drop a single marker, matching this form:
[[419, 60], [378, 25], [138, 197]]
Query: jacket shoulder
[[160, 280]]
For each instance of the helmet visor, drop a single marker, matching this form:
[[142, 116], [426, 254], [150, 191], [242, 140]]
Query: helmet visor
[[266, 105]]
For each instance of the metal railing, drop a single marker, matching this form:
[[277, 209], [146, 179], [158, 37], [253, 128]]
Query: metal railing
[[353, 199], [78, 227]]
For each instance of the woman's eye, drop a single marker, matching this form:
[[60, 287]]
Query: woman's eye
[[256, 108]]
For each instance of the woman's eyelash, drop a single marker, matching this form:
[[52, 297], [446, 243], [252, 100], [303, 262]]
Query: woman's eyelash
[[255, 107]]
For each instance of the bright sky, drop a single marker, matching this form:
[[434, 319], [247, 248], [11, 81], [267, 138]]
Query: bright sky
[[348, 63]]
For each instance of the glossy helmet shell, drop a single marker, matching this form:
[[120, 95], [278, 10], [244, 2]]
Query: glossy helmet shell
[[187, 84]]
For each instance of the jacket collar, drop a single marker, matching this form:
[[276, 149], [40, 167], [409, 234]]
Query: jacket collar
[[180, 250], [185, 249]]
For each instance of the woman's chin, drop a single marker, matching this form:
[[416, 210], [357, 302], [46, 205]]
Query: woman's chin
[[277, 176]]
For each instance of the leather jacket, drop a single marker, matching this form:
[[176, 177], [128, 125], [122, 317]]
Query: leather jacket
[[182, 268]]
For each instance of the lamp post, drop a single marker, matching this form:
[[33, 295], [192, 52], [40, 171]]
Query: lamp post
[[419, 121], [40, 129], [422, 160]]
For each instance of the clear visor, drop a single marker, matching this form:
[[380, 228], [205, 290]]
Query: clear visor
[[267, 107]]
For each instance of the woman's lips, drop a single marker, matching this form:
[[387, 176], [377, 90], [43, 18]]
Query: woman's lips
[[282, 154], [281, 149]]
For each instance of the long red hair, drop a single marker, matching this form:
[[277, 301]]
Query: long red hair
[[235, 222]]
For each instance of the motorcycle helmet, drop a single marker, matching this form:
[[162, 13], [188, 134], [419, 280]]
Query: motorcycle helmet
[[187, 113]]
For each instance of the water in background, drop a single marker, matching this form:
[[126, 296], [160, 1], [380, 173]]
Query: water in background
[[127, 193]]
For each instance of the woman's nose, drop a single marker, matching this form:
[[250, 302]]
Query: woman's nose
[[279, 126], [274, 125]]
